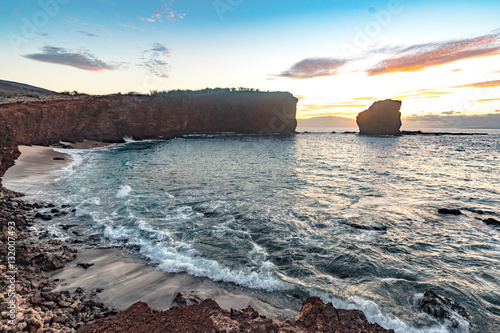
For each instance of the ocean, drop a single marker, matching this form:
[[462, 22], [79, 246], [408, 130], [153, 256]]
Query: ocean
[[352, 219]]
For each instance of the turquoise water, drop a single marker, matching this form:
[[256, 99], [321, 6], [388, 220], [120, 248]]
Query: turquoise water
[[283, 215]]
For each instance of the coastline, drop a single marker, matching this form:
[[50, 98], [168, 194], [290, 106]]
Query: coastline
[[41, 164], [127, 279], [59, 293]]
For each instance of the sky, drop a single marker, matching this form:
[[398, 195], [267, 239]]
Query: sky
[[336, 57]]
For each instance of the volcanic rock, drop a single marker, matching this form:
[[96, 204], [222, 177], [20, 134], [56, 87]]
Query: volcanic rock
[[208, 317], [491, 221], [381, 118], [448, 211]]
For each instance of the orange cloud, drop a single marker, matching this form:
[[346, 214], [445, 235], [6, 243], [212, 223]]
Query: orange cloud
[[487, 100], [484, 84], [422, 93], [366, 99], [419, 57]]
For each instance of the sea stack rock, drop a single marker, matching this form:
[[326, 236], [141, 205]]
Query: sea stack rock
[[382, 118]]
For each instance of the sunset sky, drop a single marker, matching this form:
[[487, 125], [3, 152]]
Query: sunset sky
[[337, 57]]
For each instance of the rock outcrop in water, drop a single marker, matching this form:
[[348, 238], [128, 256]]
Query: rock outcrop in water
[[444, 308], [208, 317], [113, 117], [381, 118]]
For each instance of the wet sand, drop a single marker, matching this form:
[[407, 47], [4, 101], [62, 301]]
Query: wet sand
[[126, 280], [39, 165], [35, 166]]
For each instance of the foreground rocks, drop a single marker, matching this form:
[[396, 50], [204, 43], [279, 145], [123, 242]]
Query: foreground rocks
[[38, 309], [381, 118], [207, 316]]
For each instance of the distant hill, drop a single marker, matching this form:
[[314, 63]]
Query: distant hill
[[21, 88], [327, 121]]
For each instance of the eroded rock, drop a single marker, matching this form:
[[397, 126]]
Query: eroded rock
[[381, 118]]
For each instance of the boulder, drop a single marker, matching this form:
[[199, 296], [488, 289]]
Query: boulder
[[382, 118]]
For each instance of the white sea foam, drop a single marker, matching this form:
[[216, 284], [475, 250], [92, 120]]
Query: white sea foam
[[375, 314], [123, 192], [182, 257]]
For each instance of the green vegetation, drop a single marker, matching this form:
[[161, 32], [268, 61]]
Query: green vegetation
[[72, 93], [11, 94], [179, 92]]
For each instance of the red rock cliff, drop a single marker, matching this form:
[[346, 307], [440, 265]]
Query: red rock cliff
[[8, 149], [113, 117]]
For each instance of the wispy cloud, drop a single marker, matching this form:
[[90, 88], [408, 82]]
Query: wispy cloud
[[483, 84], [313, 67], [155, 60], [400, 58], [418, 57], [486, 100], [88, 34], [74, 19], [422, 93], [81, 60], [130, 25], [164, 13], [366, 99]]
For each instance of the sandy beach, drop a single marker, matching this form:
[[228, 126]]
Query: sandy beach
[[39, 165], [123, 280], [126, 280]]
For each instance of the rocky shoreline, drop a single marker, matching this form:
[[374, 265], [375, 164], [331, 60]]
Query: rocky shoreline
[[29, 304], [26, 282]]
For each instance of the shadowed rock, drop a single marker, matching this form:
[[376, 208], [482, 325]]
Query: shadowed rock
[[382, 118]]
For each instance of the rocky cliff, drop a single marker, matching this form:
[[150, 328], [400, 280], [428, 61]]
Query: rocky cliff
[[381, 118], [113, 117], [8, 149]]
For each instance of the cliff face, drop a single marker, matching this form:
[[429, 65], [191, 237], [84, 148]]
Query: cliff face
[[111, 118], [381, 118], [8, 149]]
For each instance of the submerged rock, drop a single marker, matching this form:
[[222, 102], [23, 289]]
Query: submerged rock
[[491, 221], [382, 118], [449, 211], [367, 227], [444, 308]]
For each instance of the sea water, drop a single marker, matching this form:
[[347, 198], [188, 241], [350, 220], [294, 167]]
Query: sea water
[[352, 219]]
